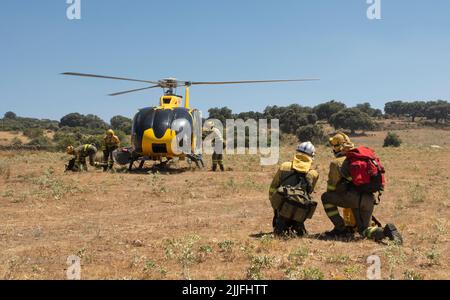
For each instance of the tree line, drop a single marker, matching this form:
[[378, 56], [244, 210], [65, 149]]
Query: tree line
[[301, 121], [434, 110], [72, 129]]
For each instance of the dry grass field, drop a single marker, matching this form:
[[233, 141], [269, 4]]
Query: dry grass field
[[203, 225], [7, 137]]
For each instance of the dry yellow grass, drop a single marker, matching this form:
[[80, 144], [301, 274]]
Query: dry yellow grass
[[7, 137], [203, 225]]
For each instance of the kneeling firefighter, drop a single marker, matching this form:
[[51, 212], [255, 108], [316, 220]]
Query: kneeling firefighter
[[78, 163], [355, 175], [290, 192]]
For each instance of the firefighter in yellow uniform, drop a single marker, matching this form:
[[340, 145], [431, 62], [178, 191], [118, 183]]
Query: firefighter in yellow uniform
[[110, 143], [298, 172], [81, 153], [358, 207], [218, 144]]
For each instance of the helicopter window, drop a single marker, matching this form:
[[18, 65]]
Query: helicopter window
[[180, 124], [162, 121], [167, 100]]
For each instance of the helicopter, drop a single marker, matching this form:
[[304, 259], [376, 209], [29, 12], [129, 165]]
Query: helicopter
[[155, 130]]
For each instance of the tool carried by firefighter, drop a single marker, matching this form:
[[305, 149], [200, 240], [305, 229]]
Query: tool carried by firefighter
[[294, 203]]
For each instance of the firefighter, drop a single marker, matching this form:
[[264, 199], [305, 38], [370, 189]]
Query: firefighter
[[80, 154], [110, 143], [217, 157], [294, 173], [341, 193]]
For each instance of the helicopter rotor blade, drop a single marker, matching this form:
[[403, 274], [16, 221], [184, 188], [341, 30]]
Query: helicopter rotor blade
[[107, 77], [135, 90], [248, 81]]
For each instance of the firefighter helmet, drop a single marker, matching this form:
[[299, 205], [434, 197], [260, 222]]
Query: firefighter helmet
[[70, 150], [307, 148]]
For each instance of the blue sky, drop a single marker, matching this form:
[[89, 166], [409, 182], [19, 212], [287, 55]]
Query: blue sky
[[406, 55]]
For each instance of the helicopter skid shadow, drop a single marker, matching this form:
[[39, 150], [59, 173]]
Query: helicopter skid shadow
[[153, 170]]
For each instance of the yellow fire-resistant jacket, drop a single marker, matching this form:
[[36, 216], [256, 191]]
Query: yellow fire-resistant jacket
[[84, 151], [338, 172], [112, 142], [302, 164]]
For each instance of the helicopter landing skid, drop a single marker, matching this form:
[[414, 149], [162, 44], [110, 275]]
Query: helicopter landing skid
[[140, 166], [197, 159], [142, 160]]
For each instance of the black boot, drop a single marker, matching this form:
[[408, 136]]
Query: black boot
[[345, 233], [280, 228], [391, 232], [300, 229], [222, 168]]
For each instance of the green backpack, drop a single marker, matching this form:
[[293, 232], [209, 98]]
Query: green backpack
[[294, 202]]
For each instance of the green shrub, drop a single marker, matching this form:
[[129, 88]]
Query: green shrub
[[65, 140], [95, 140], [41, 141], [256, 265], [392, 140], [33, 133], [10, 115], [312, 273], [353, 119], [312, 133], [412, 275], [124, 139]]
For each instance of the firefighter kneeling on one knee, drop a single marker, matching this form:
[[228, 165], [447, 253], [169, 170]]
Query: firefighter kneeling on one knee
[[290, 192], [110, 143], [78, 163], [342, 191]]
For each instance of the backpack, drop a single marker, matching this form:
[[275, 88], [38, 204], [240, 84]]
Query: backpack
[[294, 202], [366, 170]]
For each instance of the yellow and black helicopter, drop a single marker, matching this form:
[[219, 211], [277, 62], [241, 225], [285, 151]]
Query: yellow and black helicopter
[[155, 129]]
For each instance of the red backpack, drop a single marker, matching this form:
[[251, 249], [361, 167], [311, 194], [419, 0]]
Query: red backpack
[[366, 170]]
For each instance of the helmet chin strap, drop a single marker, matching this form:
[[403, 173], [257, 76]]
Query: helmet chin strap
[[336, 153]]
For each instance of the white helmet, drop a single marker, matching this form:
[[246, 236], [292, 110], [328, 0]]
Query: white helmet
[[307, 148], [208, 126]]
